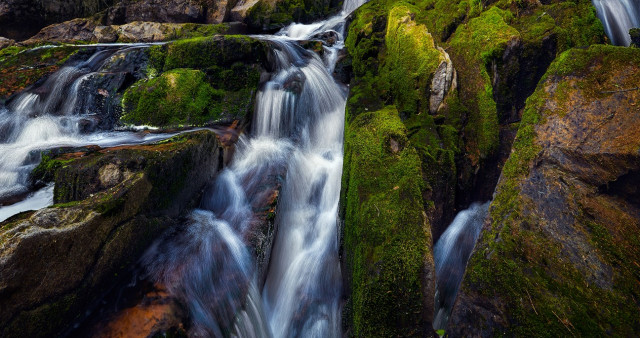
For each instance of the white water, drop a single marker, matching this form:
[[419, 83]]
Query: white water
[[49, 116], [618, 17], [451, 254], [296, 143]]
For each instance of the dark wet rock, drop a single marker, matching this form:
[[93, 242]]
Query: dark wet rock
[[328, 38], [112, 202], [560, 250], [176, 11], [20, 19], [635, 37]]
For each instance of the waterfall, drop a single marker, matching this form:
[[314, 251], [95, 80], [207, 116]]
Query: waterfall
[[296, 144], [618, 17], [61, 112], [451, 254]]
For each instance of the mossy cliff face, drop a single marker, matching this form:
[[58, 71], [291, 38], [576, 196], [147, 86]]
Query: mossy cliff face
[[448, 70], [387, 236], [55, 262], [197, 81], [557, 256]]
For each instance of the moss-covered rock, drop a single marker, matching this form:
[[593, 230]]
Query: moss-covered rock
[[20, 67], [177, 97], [499, 50], [558, 256], [197, 81], [55, 262], [387, 238]]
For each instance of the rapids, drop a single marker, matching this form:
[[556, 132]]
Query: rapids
[[296, 143], [618, 16], [67, 110], [451, 254]]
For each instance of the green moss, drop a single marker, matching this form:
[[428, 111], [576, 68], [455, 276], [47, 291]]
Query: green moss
[[222, 51], [518, 262], [21, 67], [386, 235], [177, 97], [476, 44], [411, 60]]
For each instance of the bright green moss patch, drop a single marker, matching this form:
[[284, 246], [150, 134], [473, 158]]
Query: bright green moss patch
[[386, 234], [475, 44], [205, 80], [214, 51], [411, 60], [177, 97]]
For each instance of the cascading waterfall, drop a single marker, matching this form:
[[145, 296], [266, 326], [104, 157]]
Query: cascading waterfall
[[60, 112], [451, 254], [618, 17], [297, 140]]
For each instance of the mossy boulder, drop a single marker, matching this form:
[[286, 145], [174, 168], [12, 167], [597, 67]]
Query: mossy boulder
[[558, 255], [21, 67], [387, 238], [197, 81], [177, 97], [112, 203]]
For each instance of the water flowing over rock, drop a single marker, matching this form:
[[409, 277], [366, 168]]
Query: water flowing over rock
[[294, 150], [55, 261], [451, 253], [618, 17]]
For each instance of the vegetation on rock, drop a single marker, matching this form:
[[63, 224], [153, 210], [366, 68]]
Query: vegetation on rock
[[111, 204], [558, 256]]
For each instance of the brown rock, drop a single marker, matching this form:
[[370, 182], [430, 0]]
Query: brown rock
[[560, 253], [55, 262]]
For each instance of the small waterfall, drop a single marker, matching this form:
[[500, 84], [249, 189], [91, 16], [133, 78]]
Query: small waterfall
[[618, 17], [296, 144], [67, 109], [451, 254]]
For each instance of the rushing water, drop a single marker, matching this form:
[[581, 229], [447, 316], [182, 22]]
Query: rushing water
[[71, 108], [296, 141], [618, 16], [451, 254]]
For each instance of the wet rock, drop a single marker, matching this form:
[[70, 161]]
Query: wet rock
[[177, 11], [328, 38], [444, 81], [559, 253], [20, 19], [4, 43], [634, 33], [90, 240]]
